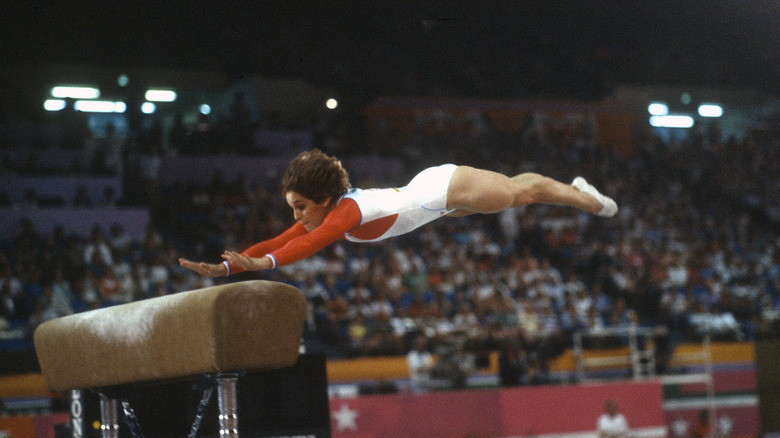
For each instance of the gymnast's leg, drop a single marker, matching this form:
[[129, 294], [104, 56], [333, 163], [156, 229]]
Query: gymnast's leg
[[483, 191]]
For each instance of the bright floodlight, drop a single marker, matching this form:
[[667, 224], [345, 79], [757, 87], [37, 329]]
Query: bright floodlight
[[75, 92], [100, 106], [205, 109], [658, 109], [54, 104], [710, 110], [148, 108], [671, 121], [160, 95], [331, 103]]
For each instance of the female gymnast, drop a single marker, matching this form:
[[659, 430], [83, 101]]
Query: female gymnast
[[326, 208]]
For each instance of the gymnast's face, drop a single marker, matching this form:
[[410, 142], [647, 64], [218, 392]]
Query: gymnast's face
[[309, 213]]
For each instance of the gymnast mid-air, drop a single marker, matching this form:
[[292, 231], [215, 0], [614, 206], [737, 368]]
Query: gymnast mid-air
[[326, 207]]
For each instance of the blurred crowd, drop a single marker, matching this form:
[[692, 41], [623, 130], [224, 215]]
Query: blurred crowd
[[694, 250]]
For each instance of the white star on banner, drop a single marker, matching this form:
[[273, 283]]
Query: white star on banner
[[345, 418], [680, 427], [725, 424]]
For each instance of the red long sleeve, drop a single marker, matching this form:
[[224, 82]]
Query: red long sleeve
[[260, 249], [297, 244]]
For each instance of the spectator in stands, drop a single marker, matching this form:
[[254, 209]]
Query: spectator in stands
[[358, 333], [384, 339], [420, 363], [528, 320], [61, 289], [11, 292], [97, 251], [570, 319], [313, 289], [511, 363], [536, 372], [137, 285], [452, 366], [52, 304], [85, 292], [600, 300], [110, 287]]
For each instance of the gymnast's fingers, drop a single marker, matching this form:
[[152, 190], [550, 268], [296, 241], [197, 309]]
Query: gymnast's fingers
[[200, 267], [188, 264]]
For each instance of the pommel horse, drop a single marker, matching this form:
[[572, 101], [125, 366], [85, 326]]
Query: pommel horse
[[221, 330]]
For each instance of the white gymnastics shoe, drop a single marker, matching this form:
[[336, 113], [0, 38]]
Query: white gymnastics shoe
[[608, 206]]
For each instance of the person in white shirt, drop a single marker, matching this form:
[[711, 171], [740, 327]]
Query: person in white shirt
[[420, 363], [612, 424]]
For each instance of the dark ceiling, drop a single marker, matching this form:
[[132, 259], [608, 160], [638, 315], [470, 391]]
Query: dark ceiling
[[491, 48]]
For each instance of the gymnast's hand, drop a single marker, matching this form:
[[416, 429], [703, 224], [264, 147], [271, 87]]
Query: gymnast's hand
[[207, 269], [248, 263]]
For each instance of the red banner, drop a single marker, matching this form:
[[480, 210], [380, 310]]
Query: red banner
[[530, 411], [30, 426], [17, 427]]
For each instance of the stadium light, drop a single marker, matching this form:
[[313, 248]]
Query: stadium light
[[331, 103], [154, 95], [205, 109], [710, 110], [658, 109], [73, 92], [671, 121], [53, 104], [99, 106], [148, 108]]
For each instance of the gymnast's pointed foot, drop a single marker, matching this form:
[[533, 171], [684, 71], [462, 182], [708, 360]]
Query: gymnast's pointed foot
[[608, 206]]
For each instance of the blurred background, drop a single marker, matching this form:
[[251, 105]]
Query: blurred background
[[134, 133]]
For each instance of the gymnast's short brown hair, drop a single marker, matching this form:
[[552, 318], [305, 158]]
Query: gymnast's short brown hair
[[316, 176]]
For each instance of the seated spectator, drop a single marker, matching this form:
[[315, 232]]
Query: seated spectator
[[12, 300], [119, 239], [511, 363], [136, 286], [97, 251], [52, 304], [110, 287]]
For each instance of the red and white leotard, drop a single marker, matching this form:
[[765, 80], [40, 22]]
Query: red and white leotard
[[363, 216]]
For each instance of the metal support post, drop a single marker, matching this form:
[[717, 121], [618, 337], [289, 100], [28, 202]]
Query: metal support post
[[228, 410], [109, 424]]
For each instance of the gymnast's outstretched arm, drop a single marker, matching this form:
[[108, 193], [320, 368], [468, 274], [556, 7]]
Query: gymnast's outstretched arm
[[240, 262], [294, 244], [244, 263]]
